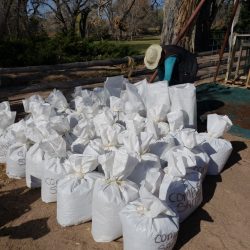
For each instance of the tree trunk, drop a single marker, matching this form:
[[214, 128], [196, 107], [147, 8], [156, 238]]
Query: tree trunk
[[176, 14], [83, 22], [5, 13], [204, 23]]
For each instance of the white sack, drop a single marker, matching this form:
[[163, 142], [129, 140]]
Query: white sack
[[101, 96], [6, 141], [87, 106], [183, 97], [133, 102], [157, 101], [53, 171], [114, 85], [54, 146], [148, 161], [195, 156], [218, 149], [95, 147], [16, 160], [175, 120], [109, 136], [161, 148], [148, 224], [75, 191], [34, 166], [181, 187], [112, 194], [14, 133], [196, 159], [73, 118], [60, 124], [103, 118], [157, 129], [6, 116], [57, 100], [138, 146], [41, 112], [135, 122], [29, 102], [153, 181]]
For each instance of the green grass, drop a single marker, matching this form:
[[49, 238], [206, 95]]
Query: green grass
[[141, 45]]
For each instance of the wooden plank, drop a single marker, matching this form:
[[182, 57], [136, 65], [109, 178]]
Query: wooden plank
[[87, 64], [238, 64], [9, 91], [82, 65]]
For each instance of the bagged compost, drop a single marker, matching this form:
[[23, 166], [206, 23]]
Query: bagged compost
[[157, 129], [157, 101], [57, 100], [53, 166], [53, 170], [7, 117], [192, 151], [161, 148], [16, 153], [6, 141], [111, 194], [148, 224], [114, 85], [217, 148], [175, 120], [181, 187], [133, 102], [16, 160], [75, 191], [138, 146], [29, 102], [34, 166], [183, 97]]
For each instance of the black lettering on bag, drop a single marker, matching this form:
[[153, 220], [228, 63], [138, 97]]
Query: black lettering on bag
[[160, 238], [177, 197], [20, 153], [52, 185], [21, 162]]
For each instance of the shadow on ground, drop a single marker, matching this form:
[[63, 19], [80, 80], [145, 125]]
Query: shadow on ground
[[16, 202], [34, 229], [191, 226], [235, 156]]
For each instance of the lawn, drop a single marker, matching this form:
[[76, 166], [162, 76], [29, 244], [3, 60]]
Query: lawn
[[140, 45]]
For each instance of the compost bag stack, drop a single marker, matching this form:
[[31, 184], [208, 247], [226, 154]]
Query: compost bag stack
[[126, 156]]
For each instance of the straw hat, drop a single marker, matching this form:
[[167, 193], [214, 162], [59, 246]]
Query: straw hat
[[152, 56]]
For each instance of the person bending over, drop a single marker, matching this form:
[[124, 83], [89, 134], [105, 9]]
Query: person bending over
[[173, 63]]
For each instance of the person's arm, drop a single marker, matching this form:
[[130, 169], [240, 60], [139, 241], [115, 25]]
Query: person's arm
[[152, 78]]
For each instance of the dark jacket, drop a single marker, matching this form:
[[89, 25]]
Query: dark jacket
[[186, 66]]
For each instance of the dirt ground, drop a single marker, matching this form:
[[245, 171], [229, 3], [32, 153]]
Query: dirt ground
[[221, 222]]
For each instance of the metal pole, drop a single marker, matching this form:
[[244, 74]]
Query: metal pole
[[226, 38], [190, 21]]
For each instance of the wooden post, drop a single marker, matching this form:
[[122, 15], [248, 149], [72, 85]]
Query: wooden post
[[231, 58], [238, 64], [226, 38]]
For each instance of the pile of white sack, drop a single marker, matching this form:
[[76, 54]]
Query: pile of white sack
[[126, 156]]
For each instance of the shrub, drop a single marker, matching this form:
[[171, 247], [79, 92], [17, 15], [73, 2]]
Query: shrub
[[60, 49]]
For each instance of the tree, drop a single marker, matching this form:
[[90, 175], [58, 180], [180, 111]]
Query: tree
[[17, 16], [177, 13], [204, 23], [5, 12], [67, 11]]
